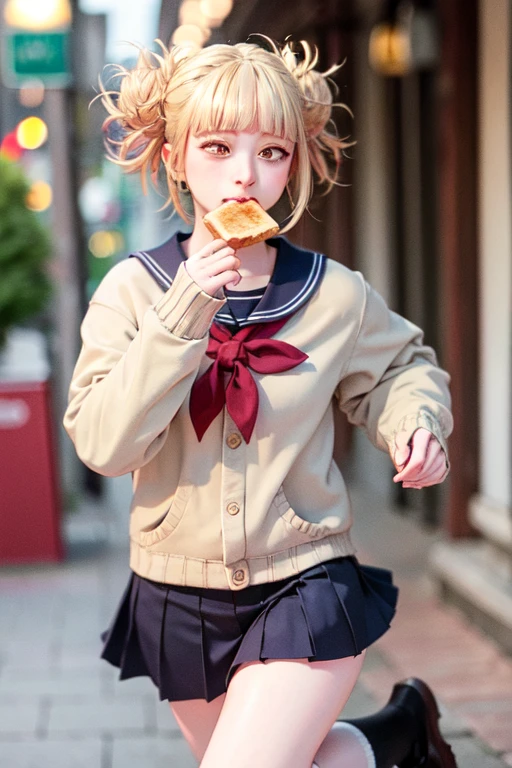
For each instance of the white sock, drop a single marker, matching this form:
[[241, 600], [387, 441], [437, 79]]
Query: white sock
[[345, 746]]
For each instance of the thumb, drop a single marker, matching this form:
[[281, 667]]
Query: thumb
[[402, 451]]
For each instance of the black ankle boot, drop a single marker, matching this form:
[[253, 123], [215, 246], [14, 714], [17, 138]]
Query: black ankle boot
[[429, 750]]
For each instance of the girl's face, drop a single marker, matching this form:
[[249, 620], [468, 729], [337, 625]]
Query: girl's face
[[224, 165]]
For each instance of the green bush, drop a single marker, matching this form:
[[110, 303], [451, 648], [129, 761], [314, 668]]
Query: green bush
[[25, 250]]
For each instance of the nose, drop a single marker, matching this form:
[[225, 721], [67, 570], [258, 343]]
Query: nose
[[244, 171]]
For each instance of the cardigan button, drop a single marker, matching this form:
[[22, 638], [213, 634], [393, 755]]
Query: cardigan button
[[233, 508], [239, 576], [234, 440]]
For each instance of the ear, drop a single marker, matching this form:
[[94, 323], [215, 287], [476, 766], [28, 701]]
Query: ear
[[166, 151]]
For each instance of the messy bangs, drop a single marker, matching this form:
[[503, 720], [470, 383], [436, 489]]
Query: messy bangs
[[243, 96]]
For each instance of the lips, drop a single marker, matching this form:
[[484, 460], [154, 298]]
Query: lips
[[239, 199]]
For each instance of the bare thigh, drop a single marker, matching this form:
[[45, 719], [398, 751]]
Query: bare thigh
[[197, 719], [278, 713]]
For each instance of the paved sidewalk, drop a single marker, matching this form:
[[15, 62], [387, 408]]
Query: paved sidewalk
[[61, 707]]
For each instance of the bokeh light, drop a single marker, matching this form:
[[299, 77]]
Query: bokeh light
[[189, 34], [190, 13], [10, 148], [103, 244], [40, 196], [215, 11], [39, 15], [390, 50], [31, 93], [32, 133]]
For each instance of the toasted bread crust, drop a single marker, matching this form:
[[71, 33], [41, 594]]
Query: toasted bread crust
[[240, 224]]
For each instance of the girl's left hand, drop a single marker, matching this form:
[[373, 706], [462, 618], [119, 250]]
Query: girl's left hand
[[419, 462]]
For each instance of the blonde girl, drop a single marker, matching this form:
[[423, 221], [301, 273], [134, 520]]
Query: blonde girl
[[210, 375]]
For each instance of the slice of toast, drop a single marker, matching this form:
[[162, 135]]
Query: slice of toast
[[241, 224]]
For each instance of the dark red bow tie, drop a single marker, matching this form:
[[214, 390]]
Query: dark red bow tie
[[250, 347]]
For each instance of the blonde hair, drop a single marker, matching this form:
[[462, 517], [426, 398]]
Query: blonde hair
[[238, 87]]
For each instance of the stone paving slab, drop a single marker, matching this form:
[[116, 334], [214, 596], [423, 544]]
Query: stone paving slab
[[72, 685], [99, 716], [51, 754], [152, 752], [493, 723], [135, 686], [20, 717], [471, 754]]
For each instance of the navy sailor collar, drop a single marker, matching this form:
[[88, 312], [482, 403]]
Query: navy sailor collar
[[296, 276]]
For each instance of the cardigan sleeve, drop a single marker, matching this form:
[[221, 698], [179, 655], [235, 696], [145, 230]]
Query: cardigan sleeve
[[131, 378], [392, 382]]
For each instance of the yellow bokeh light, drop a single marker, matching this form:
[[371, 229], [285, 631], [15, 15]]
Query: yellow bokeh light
[[215, 11], [189, 34], [38, 15], [40, 196], [390, 50], [31, 133], [190, 13], [104, 244]]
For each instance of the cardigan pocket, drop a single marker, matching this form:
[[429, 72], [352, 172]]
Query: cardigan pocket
[[171, 520], [292, 519]]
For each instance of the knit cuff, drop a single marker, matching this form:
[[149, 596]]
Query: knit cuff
[[185, 309]]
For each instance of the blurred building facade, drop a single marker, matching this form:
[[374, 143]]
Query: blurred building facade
[[426, 216]]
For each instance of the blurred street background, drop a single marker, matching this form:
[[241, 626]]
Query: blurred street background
[[423, 211]]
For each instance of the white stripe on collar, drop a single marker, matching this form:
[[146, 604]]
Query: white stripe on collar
[[307, 288], [286, 309], [155, 269]]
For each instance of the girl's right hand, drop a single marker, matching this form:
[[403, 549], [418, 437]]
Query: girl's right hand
[[214, 267]]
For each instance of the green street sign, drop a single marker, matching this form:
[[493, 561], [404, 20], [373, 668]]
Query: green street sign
[[41, 55]]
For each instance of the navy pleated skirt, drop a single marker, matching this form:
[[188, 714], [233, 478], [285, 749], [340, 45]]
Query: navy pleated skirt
[[191, 640]]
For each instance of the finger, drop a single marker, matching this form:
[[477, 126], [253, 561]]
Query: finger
[[214, 268], [433, 452], [402, 451], [436, 474], [220, 254], [405, 446], [209, 249], [415, 463], [222, 280], [233, 284]]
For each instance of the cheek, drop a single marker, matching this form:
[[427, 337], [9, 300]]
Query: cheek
[[284, 172], [192, 164], [279, 176], [199, 172]]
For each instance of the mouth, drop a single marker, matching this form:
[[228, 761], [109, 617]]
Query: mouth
[[238, 199]]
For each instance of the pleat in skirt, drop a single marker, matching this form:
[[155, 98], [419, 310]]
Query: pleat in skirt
[[191, 640]]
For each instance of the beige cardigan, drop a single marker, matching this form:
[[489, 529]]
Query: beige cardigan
[[221, 513]]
